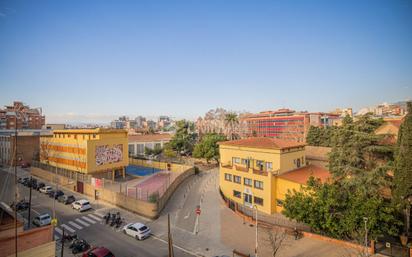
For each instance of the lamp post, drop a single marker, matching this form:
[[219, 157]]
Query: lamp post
[[256, 235], [365, 220]]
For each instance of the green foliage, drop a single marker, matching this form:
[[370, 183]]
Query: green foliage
[[231, 122], [318, 136], [338, 213], [359, 165], [208, 148], [154, 197], [402, 187], [168, 151], [185, 138], [155, 151]]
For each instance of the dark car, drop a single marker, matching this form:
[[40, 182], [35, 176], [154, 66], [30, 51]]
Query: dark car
[[33, 183], [51, 193], [25, 165], [40, 185], [58, 193], [98, 252], [23, 180], [66, 199], [21, 206]]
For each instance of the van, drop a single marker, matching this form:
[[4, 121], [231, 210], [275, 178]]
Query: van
[[42, 220]]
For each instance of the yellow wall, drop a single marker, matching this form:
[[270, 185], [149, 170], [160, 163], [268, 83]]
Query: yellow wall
[[76, 149], [273, 187], [282, 187]]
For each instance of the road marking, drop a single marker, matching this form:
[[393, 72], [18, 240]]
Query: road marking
[[99, 214], [75, 225], [94, 217], [58, 230], [56, 238], [89, 220], [174, 245], [67, 228], [187, 216], [82, 222]]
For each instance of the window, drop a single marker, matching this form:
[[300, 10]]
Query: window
[[259, 164], [75, 136], [94, 135], [279, 202], [258, 200], [237, 179], [258, 184], [298, 163], [245, 162], [131, 149], [237, 194], [228, 177], [248, 198], [236, 160], [269, 166], [247, 182]]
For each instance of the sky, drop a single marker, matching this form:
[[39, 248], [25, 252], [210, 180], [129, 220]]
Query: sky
[[94, 60]]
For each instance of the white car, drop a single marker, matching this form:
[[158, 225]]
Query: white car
[[137, 230], [46, 189], [81, 205], [42, 220]]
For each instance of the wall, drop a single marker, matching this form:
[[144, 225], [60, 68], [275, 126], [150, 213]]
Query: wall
[[41, 238], [282, 187], [111, 142], [287, 159], [159, 165]]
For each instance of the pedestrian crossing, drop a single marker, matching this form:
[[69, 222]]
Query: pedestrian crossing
[[77, 224]]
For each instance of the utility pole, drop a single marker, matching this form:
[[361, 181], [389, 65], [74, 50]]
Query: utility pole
[[15, 186], [61, 252], [30, 188], [256, 236], [365, 219], [170, 241]]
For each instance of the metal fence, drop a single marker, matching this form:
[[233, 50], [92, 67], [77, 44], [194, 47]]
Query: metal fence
[[63, 172]]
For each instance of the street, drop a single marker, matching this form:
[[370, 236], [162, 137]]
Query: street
[[87, 225]]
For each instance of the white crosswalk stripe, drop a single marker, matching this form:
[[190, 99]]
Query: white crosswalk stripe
[[100, 215], [75, 225], [67, 228], [56, 238], [82, 222], [94, 217], [88, 220], [58, 230]]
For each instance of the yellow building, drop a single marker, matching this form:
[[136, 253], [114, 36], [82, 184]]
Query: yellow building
[[259, 171], [86, 151]]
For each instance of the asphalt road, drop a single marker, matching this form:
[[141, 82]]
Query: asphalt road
[[87, 225]]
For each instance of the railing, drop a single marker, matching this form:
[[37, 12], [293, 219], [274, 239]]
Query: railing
[[227, 166], [240, 168], [260, 172]]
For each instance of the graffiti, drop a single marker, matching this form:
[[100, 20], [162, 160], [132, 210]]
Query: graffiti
[[107, 155]]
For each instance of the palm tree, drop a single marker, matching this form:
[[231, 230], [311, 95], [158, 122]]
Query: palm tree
[[231, 122]]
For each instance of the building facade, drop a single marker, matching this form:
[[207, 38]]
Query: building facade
[[257, 172], [28, 145], [21, 116], [138, 143], [86, 151]]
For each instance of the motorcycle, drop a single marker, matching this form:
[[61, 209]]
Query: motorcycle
[[107, 217], [69, 237], [79, 246], [119, 222]]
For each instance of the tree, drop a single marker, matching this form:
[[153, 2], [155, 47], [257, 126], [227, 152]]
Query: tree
[[231, 122], [184, 139], [276, 238], [402, 183], [208, 148], [168, 151], [313, 136], [155, 151], [359, 165]]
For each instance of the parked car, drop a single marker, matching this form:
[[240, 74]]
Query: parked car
[[81, 205], [50, 193], [25, 165], [33, 183], [98, 252], [42, 220], [40, 186], [20, 206], [137, 230], [23, 180], [66, 199], [57, 194], [46, 189]]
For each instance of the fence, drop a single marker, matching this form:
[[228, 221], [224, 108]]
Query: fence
[[63, 172]]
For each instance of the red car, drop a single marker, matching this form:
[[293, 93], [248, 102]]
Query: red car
[[98, 252]]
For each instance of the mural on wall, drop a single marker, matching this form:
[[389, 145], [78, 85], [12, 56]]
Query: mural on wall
[[106, 154]]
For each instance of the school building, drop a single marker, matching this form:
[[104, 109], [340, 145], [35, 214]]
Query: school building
[[258, 172], [86, 151]]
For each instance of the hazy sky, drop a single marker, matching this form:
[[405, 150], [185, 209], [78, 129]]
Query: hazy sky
[[95, 59]]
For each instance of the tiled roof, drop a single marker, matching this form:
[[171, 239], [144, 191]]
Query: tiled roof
[[302, 175], [263, 142], [149, 138]]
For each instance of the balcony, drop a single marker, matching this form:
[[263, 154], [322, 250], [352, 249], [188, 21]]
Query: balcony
[[227, 165], [240, 168], [260, 172]]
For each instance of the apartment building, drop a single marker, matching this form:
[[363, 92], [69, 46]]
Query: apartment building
[[258, 171], [87, 151], [21, 116]]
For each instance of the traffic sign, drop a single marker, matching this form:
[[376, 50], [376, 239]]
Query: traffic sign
[[54, 222], [198, 211]]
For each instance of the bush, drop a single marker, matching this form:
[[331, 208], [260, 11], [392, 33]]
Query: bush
[[154, 197]]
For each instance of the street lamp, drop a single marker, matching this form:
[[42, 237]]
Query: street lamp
[[256, 245], [365, 219]]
